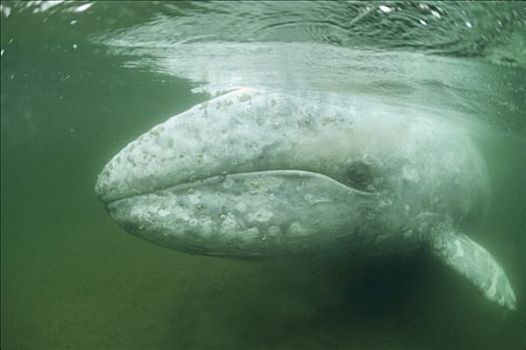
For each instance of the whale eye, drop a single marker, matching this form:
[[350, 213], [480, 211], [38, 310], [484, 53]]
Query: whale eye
[[360, 176]]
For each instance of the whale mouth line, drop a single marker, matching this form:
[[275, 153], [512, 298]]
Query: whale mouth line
[[221, 178]]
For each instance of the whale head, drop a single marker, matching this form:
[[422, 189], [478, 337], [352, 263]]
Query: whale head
[[247, 174], [256, 173]]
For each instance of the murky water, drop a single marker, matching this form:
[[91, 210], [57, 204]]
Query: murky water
[[81, 80]]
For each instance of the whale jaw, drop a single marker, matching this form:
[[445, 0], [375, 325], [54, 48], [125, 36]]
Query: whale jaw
[[259, 214]]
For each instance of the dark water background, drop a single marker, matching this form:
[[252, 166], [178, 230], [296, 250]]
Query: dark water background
[[80, 80]]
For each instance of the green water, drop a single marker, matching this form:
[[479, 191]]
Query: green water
[[79, 84]]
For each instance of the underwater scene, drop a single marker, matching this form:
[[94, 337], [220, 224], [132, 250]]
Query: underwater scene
[[263, 175]]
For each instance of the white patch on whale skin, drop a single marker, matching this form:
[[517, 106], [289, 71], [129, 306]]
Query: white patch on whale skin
[[241, 207], [410, 174], [296, 229], [260, 216], [274, 231], [492, 290], [460, 251]]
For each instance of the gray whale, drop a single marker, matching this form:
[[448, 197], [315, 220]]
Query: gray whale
[[261, 174]]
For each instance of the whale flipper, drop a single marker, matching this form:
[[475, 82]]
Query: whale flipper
[[475, 263]]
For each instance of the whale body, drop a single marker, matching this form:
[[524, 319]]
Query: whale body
[[262, 174]]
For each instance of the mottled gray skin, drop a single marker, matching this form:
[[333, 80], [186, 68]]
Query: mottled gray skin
[[259, 174]]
